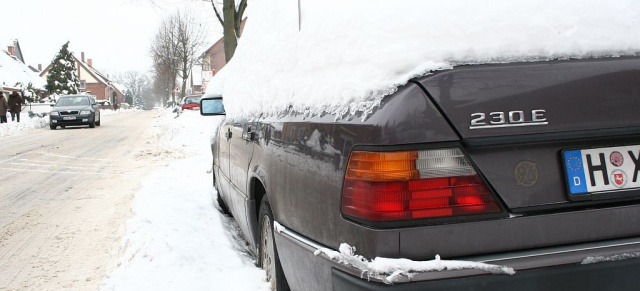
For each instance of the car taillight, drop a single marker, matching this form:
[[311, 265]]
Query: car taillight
[[409, 185]]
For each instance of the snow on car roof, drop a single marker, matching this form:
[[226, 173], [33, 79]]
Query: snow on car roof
[[343, 57]]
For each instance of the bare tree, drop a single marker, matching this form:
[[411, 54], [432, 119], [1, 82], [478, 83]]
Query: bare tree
[[175, 48], [136, 82], [165, 63]]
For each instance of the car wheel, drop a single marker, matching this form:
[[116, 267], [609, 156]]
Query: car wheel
[[99, 119], [92, 123], [53, 127], [269, 259]]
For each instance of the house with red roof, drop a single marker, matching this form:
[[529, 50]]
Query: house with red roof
[[93, 81]]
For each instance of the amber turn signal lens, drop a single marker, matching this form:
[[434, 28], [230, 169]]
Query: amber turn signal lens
[[383, 166]]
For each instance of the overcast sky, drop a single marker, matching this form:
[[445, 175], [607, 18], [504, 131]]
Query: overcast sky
[[116, 34]]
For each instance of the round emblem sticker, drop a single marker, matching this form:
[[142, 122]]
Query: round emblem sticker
[[619, 178], [616, 159], [526, 174]]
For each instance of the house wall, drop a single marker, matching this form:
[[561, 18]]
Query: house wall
[[213, 61], [215, 57], [97, 89], [84, 75]]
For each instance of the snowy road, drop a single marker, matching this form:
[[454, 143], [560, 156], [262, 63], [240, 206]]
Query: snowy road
[[124, 206], [65, 196]]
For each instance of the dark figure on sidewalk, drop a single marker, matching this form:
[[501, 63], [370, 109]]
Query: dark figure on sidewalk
[[15, 105], [4, 107]]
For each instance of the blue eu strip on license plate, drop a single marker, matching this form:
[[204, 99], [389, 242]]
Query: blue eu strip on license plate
[[575, 172], [602, 169]]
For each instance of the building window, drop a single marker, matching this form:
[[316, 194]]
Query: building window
[[83, 85], [206, 64]]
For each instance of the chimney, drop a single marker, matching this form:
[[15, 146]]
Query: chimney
[[90, 62], [11, 50], [82, 56], [40, 67]]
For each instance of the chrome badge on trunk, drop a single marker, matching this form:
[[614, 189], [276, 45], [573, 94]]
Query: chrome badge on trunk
[[508, 119]]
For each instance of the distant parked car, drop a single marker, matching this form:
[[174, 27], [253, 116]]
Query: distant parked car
[[528, 165], [75, 110], [104, 104], [191, 102]]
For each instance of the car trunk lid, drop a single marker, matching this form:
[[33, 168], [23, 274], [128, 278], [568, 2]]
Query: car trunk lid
[[516, 120]]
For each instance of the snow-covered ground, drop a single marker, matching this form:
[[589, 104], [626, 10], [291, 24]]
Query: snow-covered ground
[[26, 123], [178, 239]]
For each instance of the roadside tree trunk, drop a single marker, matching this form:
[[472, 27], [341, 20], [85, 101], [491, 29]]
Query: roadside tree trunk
[[229, 25]]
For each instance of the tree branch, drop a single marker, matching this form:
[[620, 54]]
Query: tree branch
[[239, 13], [217, 14]]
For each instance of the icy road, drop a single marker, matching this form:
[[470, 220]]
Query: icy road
[[124, 206]]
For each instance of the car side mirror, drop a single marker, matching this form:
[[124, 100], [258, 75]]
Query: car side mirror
[[212, 106]]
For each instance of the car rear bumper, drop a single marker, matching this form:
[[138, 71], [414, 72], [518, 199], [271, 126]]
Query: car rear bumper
[[616, 275], [556, 268]]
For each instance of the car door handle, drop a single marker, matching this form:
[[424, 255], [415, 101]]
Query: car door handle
[[248, 134], [228, 134]]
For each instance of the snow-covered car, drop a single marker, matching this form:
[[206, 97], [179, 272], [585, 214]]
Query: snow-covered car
[[191, 102], [104, 104], [462, 164], [74, 110]]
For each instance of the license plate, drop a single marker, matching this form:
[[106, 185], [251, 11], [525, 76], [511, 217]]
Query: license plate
[[602, 169], [69, 118]]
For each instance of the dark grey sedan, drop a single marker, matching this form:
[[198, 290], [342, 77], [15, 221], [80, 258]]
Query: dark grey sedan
[[73, 110], [533, 166]]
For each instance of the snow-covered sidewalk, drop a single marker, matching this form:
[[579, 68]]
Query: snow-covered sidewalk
[[178, 239]]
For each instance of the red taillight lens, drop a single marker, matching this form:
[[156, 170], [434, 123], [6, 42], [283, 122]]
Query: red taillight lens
[[396, 186]]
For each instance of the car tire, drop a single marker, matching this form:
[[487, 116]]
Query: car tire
[[53, 127], [99, 119], [268, 253], [92, 123]]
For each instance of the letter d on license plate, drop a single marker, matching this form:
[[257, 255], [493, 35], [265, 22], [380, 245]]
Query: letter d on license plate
[[602, 169]]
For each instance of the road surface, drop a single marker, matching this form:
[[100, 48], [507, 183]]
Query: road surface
[[65, 197]]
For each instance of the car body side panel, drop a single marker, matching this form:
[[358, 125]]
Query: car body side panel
[[303, 163], [240, 153], [223, 149]]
